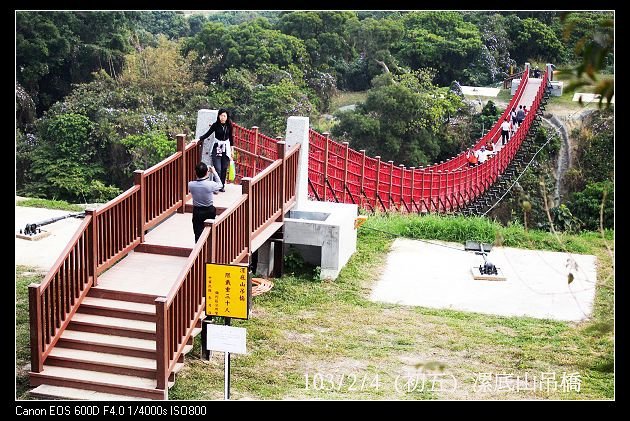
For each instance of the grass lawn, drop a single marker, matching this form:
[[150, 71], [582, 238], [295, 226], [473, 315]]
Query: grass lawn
[[50, 204], [344, 98], [24, 276], [311, 339]]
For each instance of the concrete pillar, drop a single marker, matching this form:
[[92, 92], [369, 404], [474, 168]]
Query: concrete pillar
[[205, 118], [550, 68], [297, 132], [265, 259]]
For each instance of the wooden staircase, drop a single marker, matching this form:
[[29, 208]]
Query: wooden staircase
[[107, 352]]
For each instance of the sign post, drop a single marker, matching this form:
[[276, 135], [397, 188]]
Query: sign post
[[226, 371], [228, 294], [229, 340]]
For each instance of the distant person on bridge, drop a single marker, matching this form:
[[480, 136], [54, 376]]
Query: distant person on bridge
[[202, 190], [472, 158], [505, 131], [537, 73], [482, 155], [520, 115], [513, 116], [222, 146]]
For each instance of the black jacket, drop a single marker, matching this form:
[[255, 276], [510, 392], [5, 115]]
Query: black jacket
[[221, 132]]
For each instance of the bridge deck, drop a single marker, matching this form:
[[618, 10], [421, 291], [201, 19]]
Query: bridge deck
[[176, 231], [527, 99], [154, 274], [143, 273]]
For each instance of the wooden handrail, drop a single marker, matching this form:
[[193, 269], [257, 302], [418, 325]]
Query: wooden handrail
[[53, 302], [162, 163], [64, 254]]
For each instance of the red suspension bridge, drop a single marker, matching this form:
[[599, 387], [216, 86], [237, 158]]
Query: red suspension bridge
[[341, 174]]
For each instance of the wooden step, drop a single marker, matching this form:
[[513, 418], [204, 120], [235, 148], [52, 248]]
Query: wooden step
[[111, 294], [96, 361], [47, 391], [113, 326], [161, 249], [110, 344], [118, 384], [118, 308]]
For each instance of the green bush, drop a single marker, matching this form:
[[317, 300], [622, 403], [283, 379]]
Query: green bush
[[587, 203]]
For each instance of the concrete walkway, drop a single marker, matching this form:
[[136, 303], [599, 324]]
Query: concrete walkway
[[43, 253], [430, 275], [480, 91]]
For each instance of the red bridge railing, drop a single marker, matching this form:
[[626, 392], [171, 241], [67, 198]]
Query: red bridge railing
[[338, 173]]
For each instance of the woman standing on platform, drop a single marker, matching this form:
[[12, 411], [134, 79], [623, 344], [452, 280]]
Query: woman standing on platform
[[221, 149]]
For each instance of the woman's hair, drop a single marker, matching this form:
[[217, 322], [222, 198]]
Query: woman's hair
[[221, 111]]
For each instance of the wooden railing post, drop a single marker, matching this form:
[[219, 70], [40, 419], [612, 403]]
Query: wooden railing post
[[138, 180], [362, 177], [92, 251], [255, 129], [246, 185], [283, 170], [183, 190], [378, 176], [37, 330], [345, 170], [161, 343], [212, 240], [325, 162]]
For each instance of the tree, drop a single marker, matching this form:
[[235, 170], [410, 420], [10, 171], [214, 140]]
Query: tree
[[57, 49], [596, 50], [373, 39], [169, 23], [440, 40], [403, 119], [586, 205], [535, 40], [248, 45], [62, 167], [196, 23], [326, 33], [273, 104], [148, 149]]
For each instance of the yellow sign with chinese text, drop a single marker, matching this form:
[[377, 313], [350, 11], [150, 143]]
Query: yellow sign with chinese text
[[228, 290]]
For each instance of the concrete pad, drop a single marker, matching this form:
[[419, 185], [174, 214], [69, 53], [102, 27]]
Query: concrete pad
[[586, 98], [431, 275], [44, 252], [480, 91]]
